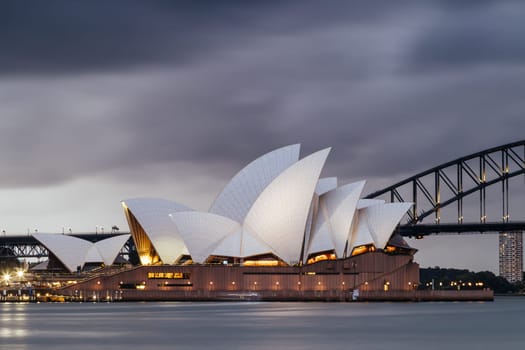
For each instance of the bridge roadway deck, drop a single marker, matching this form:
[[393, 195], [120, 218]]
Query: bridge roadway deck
[[421, 230]]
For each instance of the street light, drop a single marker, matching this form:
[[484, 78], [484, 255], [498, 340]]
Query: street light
[[7, 277]]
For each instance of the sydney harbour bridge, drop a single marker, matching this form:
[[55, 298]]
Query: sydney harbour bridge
[[478, 193]]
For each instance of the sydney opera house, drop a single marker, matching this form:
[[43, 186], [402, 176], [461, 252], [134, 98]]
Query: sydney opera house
[[277, 231]]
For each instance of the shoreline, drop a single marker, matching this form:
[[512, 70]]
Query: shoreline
[[269, 296]]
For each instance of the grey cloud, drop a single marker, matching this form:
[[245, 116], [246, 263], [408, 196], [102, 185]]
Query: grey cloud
[[475, 33], [334, 83], [60, 36], [95, 36]]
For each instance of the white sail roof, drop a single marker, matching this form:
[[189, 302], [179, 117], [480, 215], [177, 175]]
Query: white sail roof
[[310, 221], [278, 216], [93, 255], [153, 216], [335, 218], [321, 240], [230, 245], [365, 202], [71, 251], [325, 184], [361, 233], [202, 232], [244, 188], [109, 248], [241, 244], [382, 219], [252, 245]]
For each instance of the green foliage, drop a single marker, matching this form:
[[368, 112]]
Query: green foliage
[[465, 279]]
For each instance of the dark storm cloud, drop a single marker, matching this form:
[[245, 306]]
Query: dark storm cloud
[[59, 36], [473, 32], [98, 35], [209, 82]]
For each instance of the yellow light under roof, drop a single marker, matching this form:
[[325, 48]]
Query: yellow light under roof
[[145, 259]]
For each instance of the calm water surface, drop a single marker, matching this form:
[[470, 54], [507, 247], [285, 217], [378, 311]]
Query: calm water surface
[[217, 326]]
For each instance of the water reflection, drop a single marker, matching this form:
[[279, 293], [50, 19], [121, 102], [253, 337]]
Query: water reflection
[[13, 325], [263, 325]]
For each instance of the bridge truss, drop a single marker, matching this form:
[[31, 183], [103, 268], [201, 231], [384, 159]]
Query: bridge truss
[[450, 183]]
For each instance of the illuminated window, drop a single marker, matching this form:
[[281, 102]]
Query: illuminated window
[[390, 249], [321, 257], [262, 263], [168, 275], [363, 249]]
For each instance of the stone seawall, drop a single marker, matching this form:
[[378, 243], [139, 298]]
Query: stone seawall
[[428, 295], [285, 295]]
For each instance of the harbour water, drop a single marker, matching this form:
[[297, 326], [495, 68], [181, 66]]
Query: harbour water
[[255, 325]]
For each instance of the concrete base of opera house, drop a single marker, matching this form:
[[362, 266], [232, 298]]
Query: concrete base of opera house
[[374, 276]]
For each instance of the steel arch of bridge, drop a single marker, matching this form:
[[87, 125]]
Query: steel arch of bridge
[[472, 174]]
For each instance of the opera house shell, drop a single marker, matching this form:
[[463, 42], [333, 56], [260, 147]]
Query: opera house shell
[[73, 253], [276, 231], [275, 210]]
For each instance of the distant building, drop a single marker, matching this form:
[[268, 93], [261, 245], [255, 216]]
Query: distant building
[[511, 256]]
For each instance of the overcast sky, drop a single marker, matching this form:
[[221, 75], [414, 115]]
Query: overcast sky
[[106, 100]]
